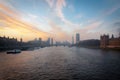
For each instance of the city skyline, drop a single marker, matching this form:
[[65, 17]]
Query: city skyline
[[59, 19]]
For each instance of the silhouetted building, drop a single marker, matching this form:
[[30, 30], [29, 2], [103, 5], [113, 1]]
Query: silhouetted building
[[72, 39], [35, 43], [8, 43], [91, 43], [51, 41], [112, 36], [77, 38], [40, 39], [48, 42], [106, 42], [21, 40]]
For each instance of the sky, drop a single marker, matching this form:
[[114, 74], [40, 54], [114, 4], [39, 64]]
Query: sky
[[59, 19]]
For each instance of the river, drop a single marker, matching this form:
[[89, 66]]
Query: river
[[61, 63]]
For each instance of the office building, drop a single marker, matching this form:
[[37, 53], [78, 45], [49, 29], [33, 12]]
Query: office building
[[77, 38]]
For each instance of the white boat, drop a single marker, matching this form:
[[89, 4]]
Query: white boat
[[14, 51]]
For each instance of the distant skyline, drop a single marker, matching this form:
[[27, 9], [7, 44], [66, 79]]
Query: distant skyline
[[59, 19]]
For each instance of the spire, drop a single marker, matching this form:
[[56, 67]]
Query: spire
[[112, 36]]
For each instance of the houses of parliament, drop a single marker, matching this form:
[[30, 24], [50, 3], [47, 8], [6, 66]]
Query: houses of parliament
[[107, 42]]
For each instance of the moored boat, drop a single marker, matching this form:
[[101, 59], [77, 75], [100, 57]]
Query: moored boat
[[14, 51]]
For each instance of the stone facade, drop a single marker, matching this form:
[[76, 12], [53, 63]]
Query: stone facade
[[106, 42]]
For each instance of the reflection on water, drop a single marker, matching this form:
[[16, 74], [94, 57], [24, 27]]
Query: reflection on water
[[60, 63]]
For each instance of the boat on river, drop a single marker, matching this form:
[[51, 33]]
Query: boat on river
[[14, 51]]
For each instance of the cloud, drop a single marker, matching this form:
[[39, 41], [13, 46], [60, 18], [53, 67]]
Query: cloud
[[11, 25], [9, 11], [110, 11], [107, 27], [37, 23], [93, 25], [116, 28], [32, 16], [89, 31], [85, 34], [71, 7], [50, 2], [86, 31], [117, 24], [58, 33], [104, 13], [58, 7], [78, 16]]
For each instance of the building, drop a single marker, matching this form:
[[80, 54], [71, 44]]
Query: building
[[72, 39], [7, 43], [21, 40], [51, 41], [77, 38], [91, 43], [40, 39], [48, 42], [106, 42]]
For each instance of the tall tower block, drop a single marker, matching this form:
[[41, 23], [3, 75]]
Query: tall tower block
[[77, 38]]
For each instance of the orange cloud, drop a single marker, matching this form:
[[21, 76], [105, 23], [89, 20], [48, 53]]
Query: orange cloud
[[7, 10], [58, 33], [12, 26]]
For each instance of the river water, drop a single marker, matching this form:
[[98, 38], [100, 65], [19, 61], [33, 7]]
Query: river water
[[61, 63]]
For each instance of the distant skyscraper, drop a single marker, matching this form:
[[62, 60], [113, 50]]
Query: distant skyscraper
[[48, 41], [21, 40], [77, 38], [72, 39], [51, 41]]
